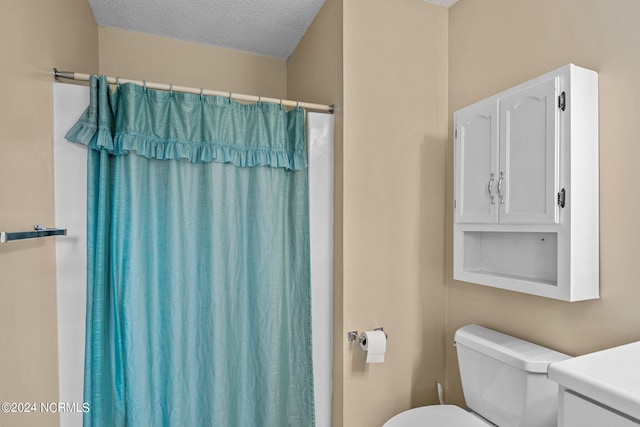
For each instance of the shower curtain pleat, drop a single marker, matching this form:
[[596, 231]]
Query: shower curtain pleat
[[198, 303]]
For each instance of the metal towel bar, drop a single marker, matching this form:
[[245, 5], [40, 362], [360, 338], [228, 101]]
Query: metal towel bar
[[38, 231]]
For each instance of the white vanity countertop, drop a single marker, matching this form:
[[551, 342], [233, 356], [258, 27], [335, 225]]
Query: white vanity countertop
[[611, 377]]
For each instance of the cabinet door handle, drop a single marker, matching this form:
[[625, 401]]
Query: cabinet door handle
[[500, 195], [489, 188]]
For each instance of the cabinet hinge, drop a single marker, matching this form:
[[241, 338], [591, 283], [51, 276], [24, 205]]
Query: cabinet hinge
[[561, 198], [562, 101]]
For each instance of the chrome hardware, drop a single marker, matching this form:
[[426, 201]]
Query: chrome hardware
[[561, 198], [562, 101], [353, 335], [500, 195], [491, 196]]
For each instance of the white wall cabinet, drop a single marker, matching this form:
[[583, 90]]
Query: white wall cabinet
[[526, 187]]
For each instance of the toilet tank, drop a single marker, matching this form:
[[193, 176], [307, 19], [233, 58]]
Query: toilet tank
[[504, 379]]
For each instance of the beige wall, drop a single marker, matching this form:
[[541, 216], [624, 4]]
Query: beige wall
[[145, 57], [395, 139], [495, 44], [314, 73], [35, 36]]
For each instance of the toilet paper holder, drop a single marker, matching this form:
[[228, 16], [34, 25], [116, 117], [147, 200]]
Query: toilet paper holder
[[353, 335]]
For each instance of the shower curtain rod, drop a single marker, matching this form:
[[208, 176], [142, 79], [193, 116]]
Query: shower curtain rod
[[72, 75]]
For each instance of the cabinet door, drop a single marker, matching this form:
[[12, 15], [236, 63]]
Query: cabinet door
[[529, 133], [476, 160]]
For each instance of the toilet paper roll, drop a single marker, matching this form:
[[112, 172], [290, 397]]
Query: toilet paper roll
[[375, 344]]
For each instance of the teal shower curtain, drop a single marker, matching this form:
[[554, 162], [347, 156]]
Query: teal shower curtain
[[198, 299]]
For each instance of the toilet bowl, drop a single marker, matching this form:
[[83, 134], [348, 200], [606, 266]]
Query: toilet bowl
[[504, 381], [436, 416]]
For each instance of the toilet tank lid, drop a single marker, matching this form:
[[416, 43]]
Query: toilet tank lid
[[511, 350]]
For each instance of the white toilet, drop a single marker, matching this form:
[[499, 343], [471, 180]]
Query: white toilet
[[504, 380]]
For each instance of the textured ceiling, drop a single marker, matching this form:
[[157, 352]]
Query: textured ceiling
[[264, 27]]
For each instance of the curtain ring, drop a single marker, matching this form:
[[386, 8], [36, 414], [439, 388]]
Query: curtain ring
[[201, 94], [259, 99], [281, 107], [230, 95], [170, 89], [117, 81], [297, 105], [144, 82]]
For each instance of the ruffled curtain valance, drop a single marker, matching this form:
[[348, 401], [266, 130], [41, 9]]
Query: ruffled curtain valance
[[168, 125]]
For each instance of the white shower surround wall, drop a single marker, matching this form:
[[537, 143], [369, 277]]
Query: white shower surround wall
[[71, 211], [70, 176]]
